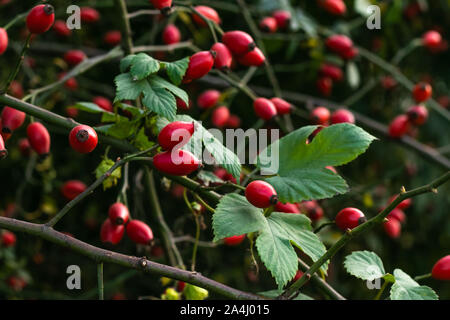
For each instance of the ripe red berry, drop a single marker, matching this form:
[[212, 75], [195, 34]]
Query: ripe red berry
[[180, 286], [39, 138], [176, 162], [286, 207], [441, 269], [208, 13], [398, 215], [268, 24], [342, 116], [336, 7], [311, 209], [339, 43], [320, 115], [111, 233], [282, 106], [223, 174], [329, 70], [405, 204], [264, 108], [176, 134], [171, 34], [254, 58], [103, 103], [422, 92], [61, 28], [417, 115], [220, 116], [282, 17], [324, 85], [238, 42], [181, 105], [16, 89], [74, 57], [72, 189], [234, 240], [112, 38], [199, 65], [261, 194], [72, 112], [297, 276], [8, 239], [40, 18], [89, 15], [234, 121], [83, 139], [3, 41], [118, 213], [350, 218], [139, 232], [224, 58], [11, 119], [208, 99], [432, 39], [393, 228], [24, 147], [163, 5], [350, 53], [399, 126]]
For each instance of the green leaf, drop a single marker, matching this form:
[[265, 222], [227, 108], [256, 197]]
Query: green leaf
[[301, 173], [192, 292], [160, 101], [135, 112], [365, 265], [275, 241], [361, 7], [143, 65], [208, 177], [141, 140], [235, 216], [405, 288], [125, 63], [158, 82], [176, 70], [127, 88], [89, 107], [275, 293], [119, 130], [102, 168]]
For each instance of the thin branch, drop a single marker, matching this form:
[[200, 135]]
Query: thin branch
[[169, 47], [143, 12], [126, 30], [18, 64], [350, 234], [191, 239], [101, 295]]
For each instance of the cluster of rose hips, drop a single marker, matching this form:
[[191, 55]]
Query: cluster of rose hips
[[113, 228], [221, 116], [416, 115], [393, 226], [279, 20]]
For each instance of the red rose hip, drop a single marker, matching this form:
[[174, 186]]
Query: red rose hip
[[208, 12], [239, 42], [111, 233], [349, 218], [39, 138], [118, 213], [342, 116], [224, 58], [40, 18], [176, 162], [441, 270], [320, 115], [72, 188], [264, 108], [220, 116], [3, 41], [83, 139], [234, 240], [261, 194], [199, 65], [139, 232], [171, 34], [282, 106], [208, 99], [417, 115], [399, 126], [422, 92], [11, 119], [176, 133]]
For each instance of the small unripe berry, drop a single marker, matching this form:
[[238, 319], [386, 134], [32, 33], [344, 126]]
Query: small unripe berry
[[111, 233], [139, 232], [282, 106], [261, 194], [224, 58], [282, 17], [234, 240], [83, 139], [118, 213], [39, 138], [238, 42], [422, 92], [208, 13], [40, 18], [254, 58], [320, 115], [399, 126], [112, 38], [199, 65], [11, 119], [171, 34], [208, 99], [103, 103], [349, 218], [342, 116], [264, 108], [268, 24], [72, 189], [74, 57], [441, 269], [417, 115], [393, 228], [3, 41], [176, 134], [176, 162], [220, 116]]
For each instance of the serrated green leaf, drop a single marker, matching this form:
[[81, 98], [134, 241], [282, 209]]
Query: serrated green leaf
[[234, 216], [301, 173], [192, 292], [141, 140], [176, 70], [365, 265], [143, 65], [158, 82], [102, 168], [125, 63], [127, 88], [405, 288], [160, 101]]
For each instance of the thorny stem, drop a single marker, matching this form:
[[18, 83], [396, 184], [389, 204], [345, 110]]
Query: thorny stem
[[423, 276]]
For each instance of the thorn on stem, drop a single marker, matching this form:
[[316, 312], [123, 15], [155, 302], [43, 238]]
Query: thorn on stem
[[402, 190], [434, 190]]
